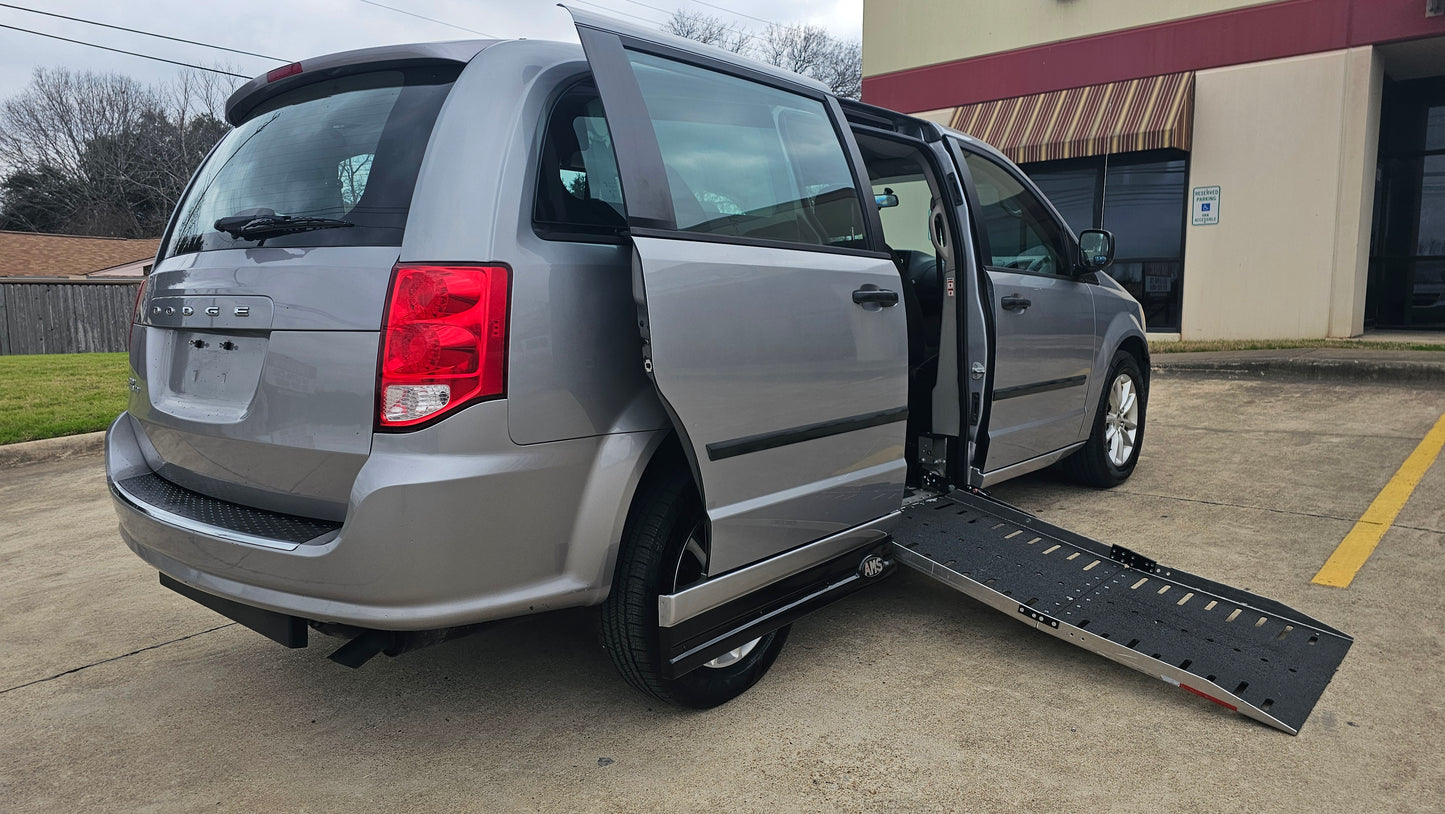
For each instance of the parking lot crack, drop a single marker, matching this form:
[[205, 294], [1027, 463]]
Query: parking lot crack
[[1232, 505], [1287, 432], [115, 658], [1263, 509]]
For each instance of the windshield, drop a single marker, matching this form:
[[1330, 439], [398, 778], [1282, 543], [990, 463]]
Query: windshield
[[347, 148]]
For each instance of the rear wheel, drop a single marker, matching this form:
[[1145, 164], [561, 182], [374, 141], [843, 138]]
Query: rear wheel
[[1109, 456], [663, 551]]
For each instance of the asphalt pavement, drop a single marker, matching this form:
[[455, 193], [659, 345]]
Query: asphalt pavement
[[118, 695]]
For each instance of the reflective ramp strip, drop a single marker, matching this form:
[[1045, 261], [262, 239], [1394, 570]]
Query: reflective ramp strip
[[1242, 651]]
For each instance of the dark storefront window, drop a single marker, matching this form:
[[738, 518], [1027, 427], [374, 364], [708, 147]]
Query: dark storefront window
[[1407, 248], [1073, 187], [1141, 198]]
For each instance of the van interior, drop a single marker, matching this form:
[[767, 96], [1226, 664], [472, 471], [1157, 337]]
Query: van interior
[[919, 236]]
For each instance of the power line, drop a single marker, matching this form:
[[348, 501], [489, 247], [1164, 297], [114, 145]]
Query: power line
[[726, 27], [671, 12], [428, 19], [668, 12], [738, 13], [618, 12], [123, 51], [143, 33]]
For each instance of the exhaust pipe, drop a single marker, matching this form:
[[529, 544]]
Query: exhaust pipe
[[367, 644]]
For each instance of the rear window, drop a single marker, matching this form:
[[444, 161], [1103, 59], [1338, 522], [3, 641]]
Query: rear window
[[348, 148]]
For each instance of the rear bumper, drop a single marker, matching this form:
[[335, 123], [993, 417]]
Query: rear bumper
[[447, 526]]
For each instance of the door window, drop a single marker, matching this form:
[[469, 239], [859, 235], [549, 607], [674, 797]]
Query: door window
[[1022, 234], [748, 160]]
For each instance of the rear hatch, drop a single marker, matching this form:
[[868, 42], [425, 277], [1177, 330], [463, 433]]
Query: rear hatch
[[254, 350]]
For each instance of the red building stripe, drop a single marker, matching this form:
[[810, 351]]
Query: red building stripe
[[1239, 36]]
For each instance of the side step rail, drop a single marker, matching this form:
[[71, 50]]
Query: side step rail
[[1250, 654]]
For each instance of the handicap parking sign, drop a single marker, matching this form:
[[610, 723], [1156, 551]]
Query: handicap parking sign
[[1206, 206]]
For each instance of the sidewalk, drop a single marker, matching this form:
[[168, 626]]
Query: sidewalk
[[1418, 368]]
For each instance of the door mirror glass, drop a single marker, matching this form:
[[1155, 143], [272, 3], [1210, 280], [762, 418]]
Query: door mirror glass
[[1096, 249]]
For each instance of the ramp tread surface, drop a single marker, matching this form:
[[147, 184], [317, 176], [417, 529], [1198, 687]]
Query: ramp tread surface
[[1183, 629]]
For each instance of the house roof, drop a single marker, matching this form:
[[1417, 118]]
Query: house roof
[[135, 269], [35, 254]]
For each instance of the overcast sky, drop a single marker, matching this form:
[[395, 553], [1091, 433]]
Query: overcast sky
[[295, 29]]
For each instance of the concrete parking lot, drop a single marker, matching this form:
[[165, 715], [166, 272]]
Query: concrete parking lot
[[118, 695]]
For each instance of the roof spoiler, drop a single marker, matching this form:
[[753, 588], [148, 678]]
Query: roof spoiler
[[386, 57]]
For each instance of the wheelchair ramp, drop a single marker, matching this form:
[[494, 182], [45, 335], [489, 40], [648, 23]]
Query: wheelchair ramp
[[1242, 651]]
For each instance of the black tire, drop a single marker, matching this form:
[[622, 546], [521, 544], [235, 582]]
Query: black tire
[[1092, 463], [654, 544]]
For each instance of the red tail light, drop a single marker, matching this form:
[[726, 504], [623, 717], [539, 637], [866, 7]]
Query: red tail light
[[140, 295], [443, 341], [135, 312]]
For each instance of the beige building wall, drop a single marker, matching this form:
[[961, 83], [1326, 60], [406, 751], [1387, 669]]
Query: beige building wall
[[911, 34], [1292, 145], [943, 116]]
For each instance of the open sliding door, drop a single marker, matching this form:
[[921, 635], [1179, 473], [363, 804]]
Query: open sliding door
[[767, 307]]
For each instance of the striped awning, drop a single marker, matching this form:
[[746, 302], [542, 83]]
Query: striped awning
[[1153, 113]]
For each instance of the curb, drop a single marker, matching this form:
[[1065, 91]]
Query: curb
[[50, 449], [1417, 374]]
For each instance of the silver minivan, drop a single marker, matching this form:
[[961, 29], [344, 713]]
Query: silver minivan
[[450, 333]]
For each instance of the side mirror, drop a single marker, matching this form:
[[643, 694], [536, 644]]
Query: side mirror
[[1096, 249], [886, 200]]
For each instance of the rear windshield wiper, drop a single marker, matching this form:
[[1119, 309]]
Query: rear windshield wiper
[[259, 224]]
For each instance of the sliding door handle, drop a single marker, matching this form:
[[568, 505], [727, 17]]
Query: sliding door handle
[[875, 296], [1013, 302]]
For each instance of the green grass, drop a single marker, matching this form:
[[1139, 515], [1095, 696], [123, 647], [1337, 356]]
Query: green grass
[[1190, 346], [50, 395]]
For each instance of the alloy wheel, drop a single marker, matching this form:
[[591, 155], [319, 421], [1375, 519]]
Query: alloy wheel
[[1121, 420]]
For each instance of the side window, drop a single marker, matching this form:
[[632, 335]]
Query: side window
[[748, 160], [1022, 234], [578, 188]]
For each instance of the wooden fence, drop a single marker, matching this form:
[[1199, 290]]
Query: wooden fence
[[65, 316]]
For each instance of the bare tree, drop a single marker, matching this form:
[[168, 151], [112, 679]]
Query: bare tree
[[811, 51], [60, 114], [808, 50], [196, 97], [709, 31], [188, 123], [101, 154]]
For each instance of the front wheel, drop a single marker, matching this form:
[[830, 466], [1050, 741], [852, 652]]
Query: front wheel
[[663, 551], [1109, 455]]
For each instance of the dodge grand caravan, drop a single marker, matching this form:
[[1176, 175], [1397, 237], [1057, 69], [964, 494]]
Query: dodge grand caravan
[[445, 334]]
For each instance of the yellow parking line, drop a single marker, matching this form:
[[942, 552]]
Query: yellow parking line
[[1349, 557]]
